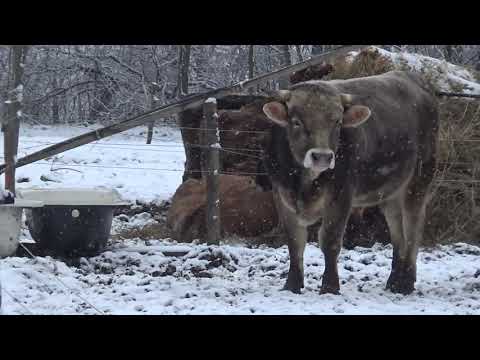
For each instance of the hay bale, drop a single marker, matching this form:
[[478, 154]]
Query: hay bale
[[367, 62], [245, 211], [454, 212]]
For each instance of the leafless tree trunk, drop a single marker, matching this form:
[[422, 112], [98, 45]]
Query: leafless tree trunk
[[183, 70], [148, 90], [317, 49], [286, 61], [14, 112], [449, 53], [149, 106], [477, 66], [55, 105], [251, 64], [299, 52], [193, 155]]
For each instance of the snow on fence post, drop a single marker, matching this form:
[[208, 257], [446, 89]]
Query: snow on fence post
[[212, 143]]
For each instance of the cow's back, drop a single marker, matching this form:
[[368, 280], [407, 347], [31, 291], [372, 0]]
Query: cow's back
[[404, 111], [402, 129]]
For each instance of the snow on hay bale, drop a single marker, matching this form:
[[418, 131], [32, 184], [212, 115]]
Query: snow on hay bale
[[454, 212]]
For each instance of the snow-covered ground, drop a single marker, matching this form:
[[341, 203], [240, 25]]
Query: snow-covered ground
[[135, 277]]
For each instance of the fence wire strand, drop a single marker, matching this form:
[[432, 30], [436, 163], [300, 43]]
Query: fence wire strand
[[474, 181]]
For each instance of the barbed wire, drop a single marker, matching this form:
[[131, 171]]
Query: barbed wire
[[240, 153], [475, 181], [225, 150], [175, 145], [181, 144], [175, 127], [149, 169]]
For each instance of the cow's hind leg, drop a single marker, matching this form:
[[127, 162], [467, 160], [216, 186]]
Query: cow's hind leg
[[411, 223], [398, 281], [416, 199]]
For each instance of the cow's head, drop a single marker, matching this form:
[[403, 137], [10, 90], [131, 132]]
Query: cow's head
[[313, 114]]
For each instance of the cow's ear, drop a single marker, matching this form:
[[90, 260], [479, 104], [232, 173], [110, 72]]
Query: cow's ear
[[276, 112], [356, 115]]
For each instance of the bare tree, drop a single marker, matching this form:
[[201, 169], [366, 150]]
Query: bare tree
[[286, 61], [13, 114], [317, 49], [298, 48], [183, 70], [251, 63]]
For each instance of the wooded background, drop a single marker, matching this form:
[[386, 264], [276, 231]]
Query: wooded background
[[102, 84]]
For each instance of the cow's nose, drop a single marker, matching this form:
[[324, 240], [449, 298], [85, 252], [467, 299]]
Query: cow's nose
[[315, 156], [321, 155], [319, 158]]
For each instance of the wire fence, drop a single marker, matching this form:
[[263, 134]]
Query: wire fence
[[472, 181], [147, 168], [179, 147]]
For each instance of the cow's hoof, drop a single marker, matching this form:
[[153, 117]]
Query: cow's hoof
[[328, 289], [400, 285], [295, 290], [294, 286]]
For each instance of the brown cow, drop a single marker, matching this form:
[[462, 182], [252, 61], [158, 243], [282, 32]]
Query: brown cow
[[354, 143]]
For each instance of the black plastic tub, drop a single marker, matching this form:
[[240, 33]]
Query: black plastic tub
[[72, 222]]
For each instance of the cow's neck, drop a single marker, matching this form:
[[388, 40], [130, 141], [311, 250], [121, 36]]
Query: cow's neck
[[313, 194]]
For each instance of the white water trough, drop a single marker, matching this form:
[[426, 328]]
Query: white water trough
[[11, 224], [73, 221]]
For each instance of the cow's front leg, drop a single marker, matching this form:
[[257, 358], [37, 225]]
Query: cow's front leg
[[297, 238], [330, 238]]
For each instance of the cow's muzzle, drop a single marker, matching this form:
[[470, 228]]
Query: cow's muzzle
[[319, 160]]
